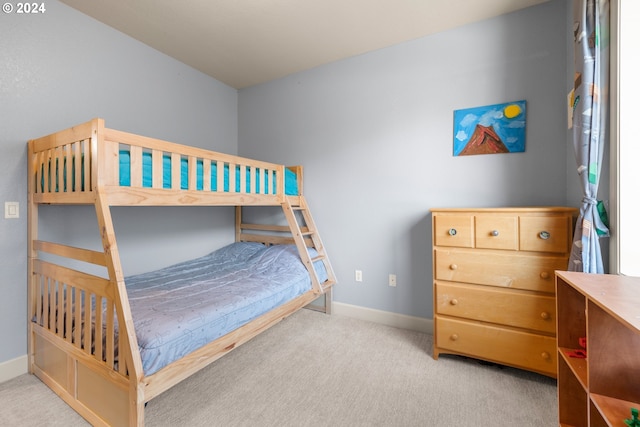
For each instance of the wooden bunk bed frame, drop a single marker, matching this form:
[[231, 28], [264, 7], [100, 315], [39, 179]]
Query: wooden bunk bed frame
[[104, 382]]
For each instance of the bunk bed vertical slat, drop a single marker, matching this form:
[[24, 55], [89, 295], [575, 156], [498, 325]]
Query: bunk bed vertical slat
[[220, 175], [206, 175], [46, 316], [65, 168], [175, 171], [135, 164], [77, 317], [38, 286], [97, 340], [77, 166], [280, 180], [58, 290], [86, 161], [68, 314], [86, 322], [110, 338], [156, 169]]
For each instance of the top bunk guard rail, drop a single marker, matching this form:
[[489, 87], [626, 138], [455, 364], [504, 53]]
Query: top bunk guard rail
[[128, 169]]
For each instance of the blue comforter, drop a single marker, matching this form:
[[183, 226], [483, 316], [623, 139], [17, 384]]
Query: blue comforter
[[180, 308]]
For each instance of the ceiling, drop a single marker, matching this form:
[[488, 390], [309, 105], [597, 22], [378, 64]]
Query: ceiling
[[247, 42]]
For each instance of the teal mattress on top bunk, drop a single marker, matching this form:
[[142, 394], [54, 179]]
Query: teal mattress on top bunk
[[291, 184], [290, 179]]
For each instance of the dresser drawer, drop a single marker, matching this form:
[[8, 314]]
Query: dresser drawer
[[497, 232], [453, 230], [494, 268], [545, 234], [496, 305], [502, 345]]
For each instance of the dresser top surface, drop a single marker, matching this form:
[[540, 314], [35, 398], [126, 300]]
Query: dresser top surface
[[555, 209]]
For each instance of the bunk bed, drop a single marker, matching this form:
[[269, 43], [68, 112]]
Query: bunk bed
[[107, 344]]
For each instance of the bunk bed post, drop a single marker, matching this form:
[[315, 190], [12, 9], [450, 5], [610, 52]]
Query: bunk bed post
[[128, 349], [238, 223], [129, 353], [97, 134], [299, 177], [32, 235]]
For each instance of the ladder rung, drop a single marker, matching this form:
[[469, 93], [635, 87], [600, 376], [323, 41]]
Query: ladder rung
[[327, 284], [318, 258]]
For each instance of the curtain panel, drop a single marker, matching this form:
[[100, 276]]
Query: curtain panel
[[590, 117]]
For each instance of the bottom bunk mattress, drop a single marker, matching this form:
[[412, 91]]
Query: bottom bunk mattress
[[178, 309]]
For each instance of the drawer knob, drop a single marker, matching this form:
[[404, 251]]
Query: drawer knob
[[453, 302], [453, 267], [544, 235], [495, 233], [545, 355], [544, 275], [545, 315], [453, 232], [454, 337]]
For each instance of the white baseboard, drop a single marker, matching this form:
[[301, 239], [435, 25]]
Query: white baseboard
[[388, 318], [14, 368]]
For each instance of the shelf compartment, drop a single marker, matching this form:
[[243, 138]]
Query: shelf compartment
[[578, 366], [614, 369], [609, 408], [573, 399], [571, 315]]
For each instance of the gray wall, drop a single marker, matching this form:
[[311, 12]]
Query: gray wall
[[374, 133], [62, 68]]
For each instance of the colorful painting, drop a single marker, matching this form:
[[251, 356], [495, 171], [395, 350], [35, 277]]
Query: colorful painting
[[491, 129]]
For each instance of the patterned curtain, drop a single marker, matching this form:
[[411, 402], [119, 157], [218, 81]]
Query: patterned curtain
[[590, 116]]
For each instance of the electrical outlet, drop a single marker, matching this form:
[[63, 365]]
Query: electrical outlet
[[392, 280], [358, 275]]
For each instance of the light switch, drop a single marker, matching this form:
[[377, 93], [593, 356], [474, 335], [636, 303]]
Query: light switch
[[11, 209]]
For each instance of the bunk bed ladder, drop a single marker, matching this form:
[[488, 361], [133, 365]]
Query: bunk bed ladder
[[305, 234]]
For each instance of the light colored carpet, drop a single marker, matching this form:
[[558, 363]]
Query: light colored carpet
[[319, 370]]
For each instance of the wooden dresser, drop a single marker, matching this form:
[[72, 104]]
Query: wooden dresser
[[494, 283]]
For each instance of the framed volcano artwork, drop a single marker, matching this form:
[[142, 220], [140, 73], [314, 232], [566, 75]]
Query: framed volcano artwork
[[491, 129]]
